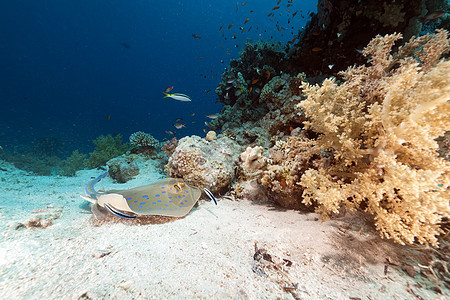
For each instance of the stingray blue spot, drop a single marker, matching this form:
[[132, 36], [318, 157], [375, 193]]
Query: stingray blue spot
[[154, 202], [170, 201], [149, 208], [166, 204], [129, 198], [176, 207], [187, 192], [185, 200], [181, 203], [159, 208], [170, 197], [163, 192], [158, 201], [157, 195], [140, 210], [163, 186], [184, 195], [170, 209], [135, 193], [144, 196], [135, 201], [164, 209], [142, 203], [179, 196]]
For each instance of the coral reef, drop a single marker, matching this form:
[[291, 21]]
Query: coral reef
[[106, 148], [205, 164], [380, 127]]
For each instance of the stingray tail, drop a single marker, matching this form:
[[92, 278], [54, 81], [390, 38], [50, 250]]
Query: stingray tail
[[89, 188]]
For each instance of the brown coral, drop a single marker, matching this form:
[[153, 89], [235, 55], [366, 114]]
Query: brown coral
[[380, 126]]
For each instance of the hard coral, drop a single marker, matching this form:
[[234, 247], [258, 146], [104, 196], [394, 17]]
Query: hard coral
[[380, 126]]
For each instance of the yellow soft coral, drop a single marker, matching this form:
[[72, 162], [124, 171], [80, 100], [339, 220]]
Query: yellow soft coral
[[380, 126]]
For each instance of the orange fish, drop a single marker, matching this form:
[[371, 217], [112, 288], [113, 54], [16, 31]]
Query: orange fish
[[278, 27], [317, 49], [293, 15], [108, 118], [200, 57], [244, 3], [315, 33], [268, 74], [246, 20], [255, 81], [293, 40], [276, 7], [279, 1], [250, 90], [220, 27], [231, 25]]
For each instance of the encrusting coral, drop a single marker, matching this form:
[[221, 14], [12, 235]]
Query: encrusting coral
[[379, 127]]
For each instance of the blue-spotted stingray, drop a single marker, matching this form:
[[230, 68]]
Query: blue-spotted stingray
[[167, 197]]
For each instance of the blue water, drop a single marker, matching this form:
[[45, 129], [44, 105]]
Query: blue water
[[78, 69]]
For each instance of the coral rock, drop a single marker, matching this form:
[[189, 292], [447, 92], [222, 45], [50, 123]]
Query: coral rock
[[211, 136], [205, 164], [252, 159], [122, 169]]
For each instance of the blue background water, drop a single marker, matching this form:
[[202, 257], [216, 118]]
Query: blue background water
[[66, 65]]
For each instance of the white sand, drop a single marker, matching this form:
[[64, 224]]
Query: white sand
[[206, 255]]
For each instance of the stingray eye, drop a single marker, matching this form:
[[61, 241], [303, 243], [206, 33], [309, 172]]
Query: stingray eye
[[179, 186]]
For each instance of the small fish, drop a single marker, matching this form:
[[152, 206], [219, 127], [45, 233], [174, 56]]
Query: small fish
[[221, 26], [178, 96], [359, 51], [207, 92], [168, 89], [255, 81], [125, 45], [433, 15], [330, 66], [338, 34], [316, 49], [276, 7], [239, 91], [267, 74], [179, 125], [279, 1], [108, 118], [244, 3], [250, 90], [200, 57], [192, 114], [169, 132], [178, 120], [212, 116], [195, 36], [231, 25], [246, 20]]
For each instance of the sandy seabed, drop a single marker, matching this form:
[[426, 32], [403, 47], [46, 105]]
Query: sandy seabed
[[235, 250]]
